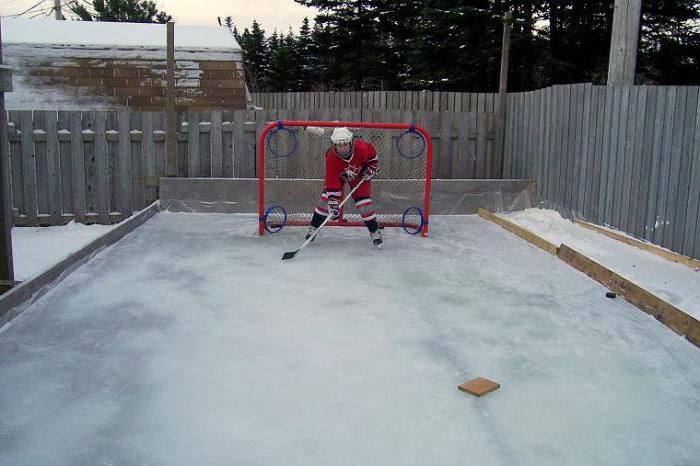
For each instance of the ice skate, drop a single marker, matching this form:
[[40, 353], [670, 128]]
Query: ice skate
[[376, 238]]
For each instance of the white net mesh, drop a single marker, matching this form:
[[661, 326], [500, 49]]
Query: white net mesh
[[295, 167]]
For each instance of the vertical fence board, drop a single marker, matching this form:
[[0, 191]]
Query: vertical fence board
[[637, 176], [670, 127], [239, 143], [149, 159], [647, 143], [193, 158], [620, 156], [41, 162], [656, 157], [605, 166], [88, 120], [627, 136], [17, 182], [445, 148], [217, 166], [53, 168], [101, 168], [124, 164], [138, 163], [77, 154], [26, 126], [481, 145], [65, 164], [159, 149]]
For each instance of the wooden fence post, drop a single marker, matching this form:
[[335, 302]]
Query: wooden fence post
[[7, 272], [171, 119]]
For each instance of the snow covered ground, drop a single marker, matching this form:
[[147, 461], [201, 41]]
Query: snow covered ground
[[36, 249], [676, 283], [191, 342]]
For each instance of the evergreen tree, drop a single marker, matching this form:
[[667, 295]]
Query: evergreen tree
[[358, 55], [255, 57], [128, 11], [303, 53], [284, 65]]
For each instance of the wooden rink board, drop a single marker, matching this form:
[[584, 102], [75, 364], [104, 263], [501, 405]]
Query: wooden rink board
[[666, 313]]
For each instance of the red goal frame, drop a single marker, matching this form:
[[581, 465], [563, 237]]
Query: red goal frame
[[349, 124]]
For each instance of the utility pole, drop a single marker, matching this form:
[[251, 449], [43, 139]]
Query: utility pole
[[624, 42], [57, 10], [499, 152]]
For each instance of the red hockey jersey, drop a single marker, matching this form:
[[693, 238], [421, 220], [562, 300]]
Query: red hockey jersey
[[363, 154]]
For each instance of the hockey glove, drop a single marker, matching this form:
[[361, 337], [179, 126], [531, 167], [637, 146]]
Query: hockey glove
[[370, 171], [315, 130], [333, 207]]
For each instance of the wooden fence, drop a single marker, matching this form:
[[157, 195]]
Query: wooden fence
[[627, 157], [380, 100], [99, 167]]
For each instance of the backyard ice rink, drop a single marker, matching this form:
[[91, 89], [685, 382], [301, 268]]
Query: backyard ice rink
[[190, 342]]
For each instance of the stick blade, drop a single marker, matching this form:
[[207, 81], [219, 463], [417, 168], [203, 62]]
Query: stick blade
[[289, 255]]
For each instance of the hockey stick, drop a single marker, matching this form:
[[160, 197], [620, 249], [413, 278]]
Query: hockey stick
[[291, 254]]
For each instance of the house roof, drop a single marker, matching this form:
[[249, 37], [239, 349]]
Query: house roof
[[121, 35]]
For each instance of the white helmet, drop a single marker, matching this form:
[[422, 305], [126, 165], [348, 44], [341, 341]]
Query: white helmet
[[342, 136]]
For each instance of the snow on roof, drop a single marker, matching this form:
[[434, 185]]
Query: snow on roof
[[89, 33]]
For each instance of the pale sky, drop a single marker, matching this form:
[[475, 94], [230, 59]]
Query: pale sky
[[271, 14]]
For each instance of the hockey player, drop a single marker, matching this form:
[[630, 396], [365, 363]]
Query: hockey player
[[348, 161]]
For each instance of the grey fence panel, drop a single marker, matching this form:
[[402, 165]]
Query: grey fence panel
[[691, 237], [622, 156]]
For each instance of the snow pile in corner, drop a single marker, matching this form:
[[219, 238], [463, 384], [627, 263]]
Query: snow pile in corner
[[36, 249], [676, 283]]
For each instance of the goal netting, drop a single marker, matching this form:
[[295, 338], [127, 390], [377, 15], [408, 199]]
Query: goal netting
[[291, 170]]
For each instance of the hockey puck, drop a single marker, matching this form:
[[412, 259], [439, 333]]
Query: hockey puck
[[610, 295]]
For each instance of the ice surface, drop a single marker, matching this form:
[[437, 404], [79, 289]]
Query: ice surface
[[676, 283], [190, 342]]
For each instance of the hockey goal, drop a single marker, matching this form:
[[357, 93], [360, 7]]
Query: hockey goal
[[291, 169]]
